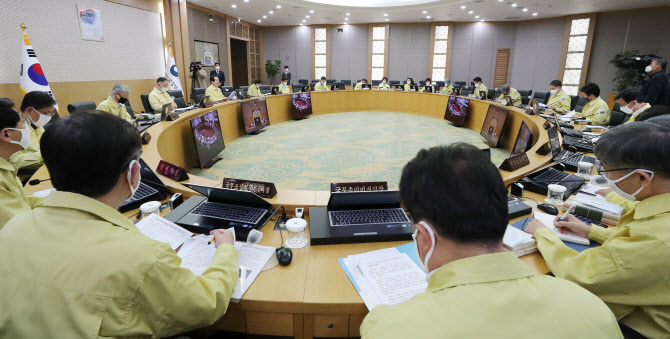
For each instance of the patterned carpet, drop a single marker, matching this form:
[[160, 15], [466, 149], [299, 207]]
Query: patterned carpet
[[344, 147]]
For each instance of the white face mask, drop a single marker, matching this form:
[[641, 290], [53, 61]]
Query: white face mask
[[164, 89], [286, 71], [647, 69], [626, 109], [41, 121], [424, 263], [284, 83], [553, 91], [428, 83], [409, 82], [25, 137], [323, 82], [628, 196], [383, 81], [133, 189], [476, 85], [218, 67]]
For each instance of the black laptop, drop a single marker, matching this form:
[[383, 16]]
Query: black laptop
[[366, 86], [414, 88], [274, 91], [569, 158], [579, 141], [399, 87], [222, 208], [304, 88], [151, 188]]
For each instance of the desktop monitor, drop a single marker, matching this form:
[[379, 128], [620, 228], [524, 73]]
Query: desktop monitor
[[523, 140], [302, 105], [493, 124], [457, 110], [554, 142], [255, 115], [208, 138]]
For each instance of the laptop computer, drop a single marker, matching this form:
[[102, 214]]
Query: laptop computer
[[366, 86], [414, 88], [151, 188], [275, 89], [222, 208], [399, 87], [568, 158], [304, 88], [580, 143], [428, 89]]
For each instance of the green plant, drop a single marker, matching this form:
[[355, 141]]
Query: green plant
[[625, 76], [272, 69]]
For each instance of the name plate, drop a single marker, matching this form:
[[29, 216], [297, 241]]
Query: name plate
[[359, 186], [171, 171], [146, 138], [513, 163], [262, 189]]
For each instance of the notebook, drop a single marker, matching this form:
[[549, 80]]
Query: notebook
[[521, 224], [548, 220]]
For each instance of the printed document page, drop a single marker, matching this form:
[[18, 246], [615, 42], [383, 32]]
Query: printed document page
[[196, 255], [253, 258], [393, 279], [160, 229]]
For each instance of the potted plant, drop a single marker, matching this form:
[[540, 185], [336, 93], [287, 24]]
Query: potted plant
[[625, 76], [272, 69]]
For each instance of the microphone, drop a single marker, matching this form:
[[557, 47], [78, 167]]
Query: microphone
[[36, 181]]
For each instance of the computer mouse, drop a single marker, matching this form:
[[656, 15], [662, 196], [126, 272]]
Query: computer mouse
[[549, 209], [284, 256]]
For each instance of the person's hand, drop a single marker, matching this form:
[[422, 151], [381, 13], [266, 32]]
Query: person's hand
[[604, 191], [551, 107], [571, 223], [174, 106], [222, 236], [533, 226]]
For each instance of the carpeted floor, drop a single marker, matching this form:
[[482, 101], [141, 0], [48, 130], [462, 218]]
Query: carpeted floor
[[345, 147]]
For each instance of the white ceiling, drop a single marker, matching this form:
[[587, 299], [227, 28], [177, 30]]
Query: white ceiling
[[293, 12]]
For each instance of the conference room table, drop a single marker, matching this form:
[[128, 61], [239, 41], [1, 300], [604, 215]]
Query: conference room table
[[313, 297]]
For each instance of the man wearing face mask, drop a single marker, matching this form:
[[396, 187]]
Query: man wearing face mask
[[597, 112], [159, 96], [37, 108], [321, 85], [476, 288], [286, 74], [657, 90], [629, 271], [360, 84], [116, 102], [83, 268], [283, 87], [217, 72], [632, 102], [512, 93], [14, 137], [559, 101], [480, 89], [448, 87]]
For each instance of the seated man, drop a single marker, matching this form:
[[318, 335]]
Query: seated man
[[254, 90], [429, 86], [512, 93], [384, 85], [321, 85], [283, 87], [480, 89], [360, 84], [115, 103], [37, 108], [81, 268], [409, 83], [448, 87], [654, 111], [559, 101], [213, 90], [159, 96], [14, 137], [632, 96], [476, 288], [629, 271], [596, 111]]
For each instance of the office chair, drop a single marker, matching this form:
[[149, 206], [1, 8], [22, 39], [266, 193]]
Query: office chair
[[266, 91], [227, 88], [465, 91], [617, 118], [541, 97], [178, 96], [525, 95], [394, 82], [129, 109], [376, 82], [573, 102], [197, 93], [244, 90], [422, 83], [346, 82], [311, 86], [330, 81], [227, 93], [580, 104], [71, 108], [459, 83], [303, 82], [440, 83], [264, 87], [145, 103]]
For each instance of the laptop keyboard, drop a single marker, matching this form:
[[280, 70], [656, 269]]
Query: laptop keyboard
[[363, 217], [574, 158], [242, 214], [142, 192], [551, 175]]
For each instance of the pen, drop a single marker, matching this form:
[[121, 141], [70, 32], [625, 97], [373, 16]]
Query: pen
[[566, 213], [210, 240]]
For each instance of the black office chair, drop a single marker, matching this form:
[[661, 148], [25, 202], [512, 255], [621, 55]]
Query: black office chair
[[376, 82], [241, 92], [617, 118], [346, 82], [440, 83], [541, 97], [73, 107], [227, 88], [465, 91], [297, 88], [330, 81], [340, 83], [314, 81], [491, 94], [616, 107], [394, 82], [178, 96], [525, 95], [264, 87], [197, 94], [422, 83], [573, 102], [145, 103], [129, 109], [266, 91], [459, 83], [580, 104], [227, 93], [311, 86], [244, 89], [304, 82]]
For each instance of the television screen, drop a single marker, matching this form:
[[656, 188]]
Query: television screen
[[457, 110], [302, 105], [493, 124], [255, 115], [208, 137], [523, 139]]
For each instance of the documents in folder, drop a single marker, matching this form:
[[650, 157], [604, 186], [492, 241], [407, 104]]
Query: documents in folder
[[388, 276], [163, 230], [548, 220], [518, 241]]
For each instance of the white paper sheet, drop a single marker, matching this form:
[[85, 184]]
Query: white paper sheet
[[160, 229], [253, 257], [600, 204], [43, 193], [196, 254], [394, 279], [548, 220]]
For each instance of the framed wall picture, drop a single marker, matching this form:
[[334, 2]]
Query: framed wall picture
[[90, 23], [206, 52]]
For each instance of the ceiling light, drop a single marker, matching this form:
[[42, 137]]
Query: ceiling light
[[307, 16], [427, 16], [259, 20], [233, 6], [346, 18], [311, 11], [386, 19], [534, 14], [424, 12], [303, 20], [348, 14], [386, 14], [462, 7], [271, 12], [476, 16], [501, 0], [470, 12], [514, 4], [525, 9], [265, 16], [246, 0], [278, 6]]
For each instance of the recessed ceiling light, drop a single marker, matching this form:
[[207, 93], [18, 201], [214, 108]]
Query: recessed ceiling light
[[470, 12], [246, 0], [386, 14], [271, 12], [462, 7], [311, 11], [265, 16], [348, 14], [278, 6], [476, 16], [427, 16], [482, 20], [233, 6], [307, 16], [386, 19], [259, 20], [303, 20], [424, 12], [346, 18], [501, 0], [534, 14], [514, 4], [525, 9]]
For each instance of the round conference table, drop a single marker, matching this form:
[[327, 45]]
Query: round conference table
[[313, 297]]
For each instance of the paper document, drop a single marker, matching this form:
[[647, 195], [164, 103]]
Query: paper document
[[160, 229], [393, 279], [591, 189], [548, 220], [196, 255], [43, 193], [518, 241], [603, 205], [252, 259]]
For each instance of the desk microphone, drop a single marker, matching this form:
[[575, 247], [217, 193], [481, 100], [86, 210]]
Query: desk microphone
[[36, 181]]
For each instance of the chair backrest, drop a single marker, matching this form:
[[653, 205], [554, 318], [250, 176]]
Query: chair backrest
[[440, 83], [346, 82], [227, 88], [315, 81], [240, 92], [422, 83], [226, 93], [525, 95], [176, 93], [492, 93], [617, 118], [573, 102], [341, 83], [459, 83], [130, 109], [580, 104], [541, 97], [466, 91], [80, 105], [145, 103], [265, 91], [264, 87], [616, 107], [394, 82], [297, 88], [330, 81], [244, 90], [311, 86], [303, 82], [180, 102]]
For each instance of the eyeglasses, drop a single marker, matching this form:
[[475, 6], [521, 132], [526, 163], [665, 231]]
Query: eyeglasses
[[601, 170], [46, 113]]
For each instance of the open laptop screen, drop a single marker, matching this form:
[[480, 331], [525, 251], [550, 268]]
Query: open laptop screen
[[554, 143], [363, 200]]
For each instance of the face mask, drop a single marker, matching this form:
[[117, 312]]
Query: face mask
[[41, 121], [133, 189], [628, 196], [122, 100], [428, 84], [476, 85], [626, 109], [647, 69], [409, 82], [553, 91], [284, 83], [424, 263], [383, 81], [217, 68], [323, 83], [25, 137]]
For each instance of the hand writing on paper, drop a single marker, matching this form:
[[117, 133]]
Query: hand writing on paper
[[222, 236], [571, 223]]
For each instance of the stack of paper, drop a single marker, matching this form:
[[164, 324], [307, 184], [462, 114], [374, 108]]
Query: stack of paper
[[386, 277], [518, 241], [599, 203], [548, 220]]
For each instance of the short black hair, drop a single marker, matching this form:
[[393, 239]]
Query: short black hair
[[364, 79], [428, 79], [211, 79], [258, 81], [477, 79], [323, 78], [87, 153], [629, 95], [6, 102], [590, 88], [385, 78], [9, 118], [217, 63], [661, 62], [161, 79], [448, 185], [37, 100], [653, 111], [641, 145], [285, 66], [556, 83], [284, 78]]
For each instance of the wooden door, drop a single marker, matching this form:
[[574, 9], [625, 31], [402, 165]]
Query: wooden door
[[502, 64]]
